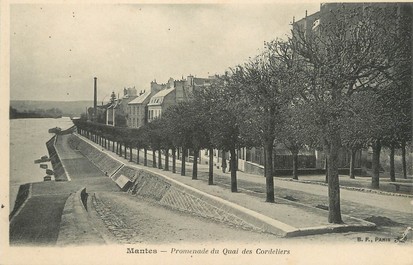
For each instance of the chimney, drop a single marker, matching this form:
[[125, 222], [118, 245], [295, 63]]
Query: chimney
[[95, 100]]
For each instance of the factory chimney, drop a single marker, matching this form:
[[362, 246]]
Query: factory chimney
[[95, 100]]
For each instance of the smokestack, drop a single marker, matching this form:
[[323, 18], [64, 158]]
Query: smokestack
[[95, 100]]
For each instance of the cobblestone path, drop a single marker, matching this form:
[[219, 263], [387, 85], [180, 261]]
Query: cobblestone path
[[131, 219]]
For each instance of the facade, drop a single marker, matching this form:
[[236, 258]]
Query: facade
[[137, 110], [117, 112], [175, 91], [327, 13], [160, 102]]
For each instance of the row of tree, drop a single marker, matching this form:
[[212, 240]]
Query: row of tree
[[36, 113], [345, 83]]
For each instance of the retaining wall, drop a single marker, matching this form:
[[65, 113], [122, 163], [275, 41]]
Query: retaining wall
[[59, 172]]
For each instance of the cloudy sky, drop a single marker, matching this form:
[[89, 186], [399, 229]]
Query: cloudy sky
[[57, 49]]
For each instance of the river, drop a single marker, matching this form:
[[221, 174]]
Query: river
[[28, 139]]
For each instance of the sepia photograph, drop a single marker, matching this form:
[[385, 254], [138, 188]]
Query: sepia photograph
[[206, 133]]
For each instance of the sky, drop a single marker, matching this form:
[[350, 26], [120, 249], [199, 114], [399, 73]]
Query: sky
[[57, 49]]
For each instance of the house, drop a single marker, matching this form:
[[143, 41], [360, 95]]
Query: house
[[116, 114], [175, 91], [160, 102], [137, 110]]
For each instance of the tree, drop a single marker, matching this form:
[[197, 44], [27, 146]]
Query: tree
[[294, 133], [226, 120], [154, 140], [267, 85], [352, 50], [206, 101], [180, 128]]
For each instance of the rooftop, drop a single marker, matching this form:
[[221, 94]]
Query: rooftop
[[140, 99]]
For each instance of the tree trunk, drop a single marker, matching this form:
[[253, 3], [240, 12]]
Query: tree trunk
[[183, 153], [137, 156], [352, 161], [166, 168], [174, 160], [126, 152], [113, 146], [234, 186], [375, 180], [269, 180], [392, 172], [295, 164], [334, 211], [159, 158], [224, 162], [145, 156], [326, 160], [404, 160], [130, 153], [153, 158], [195, 165], [211, 167]]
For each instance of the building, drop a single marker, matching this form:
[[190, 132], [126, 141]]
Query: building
[[117, 111], [351, 13], [160, 102], [176, 91], [138, 108]]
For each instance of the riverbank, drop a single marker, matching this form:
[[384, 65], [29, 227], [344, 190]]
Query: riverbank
[[244, 211], [27, 143]]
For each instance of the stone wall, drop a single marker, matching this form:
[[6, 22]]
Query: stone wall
[[59, 172]]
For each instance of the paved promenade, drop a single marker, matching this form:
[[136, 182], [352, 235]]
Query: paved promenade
[[302, 213]]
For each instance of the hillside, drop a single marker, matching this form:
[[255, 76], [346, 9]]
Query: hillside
[[68, 108]]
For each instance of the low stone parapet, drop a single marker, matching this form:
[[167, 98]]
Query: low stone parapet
[[75, 226], [58, 169]]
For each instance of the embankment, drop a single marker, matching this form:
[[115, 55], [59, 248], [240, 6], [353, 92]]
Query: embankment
[[168, 192], [22, 195], [59, 172]]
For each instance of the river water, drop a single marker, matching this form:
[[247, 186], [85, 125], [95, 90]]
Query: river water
[[28, 139]]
